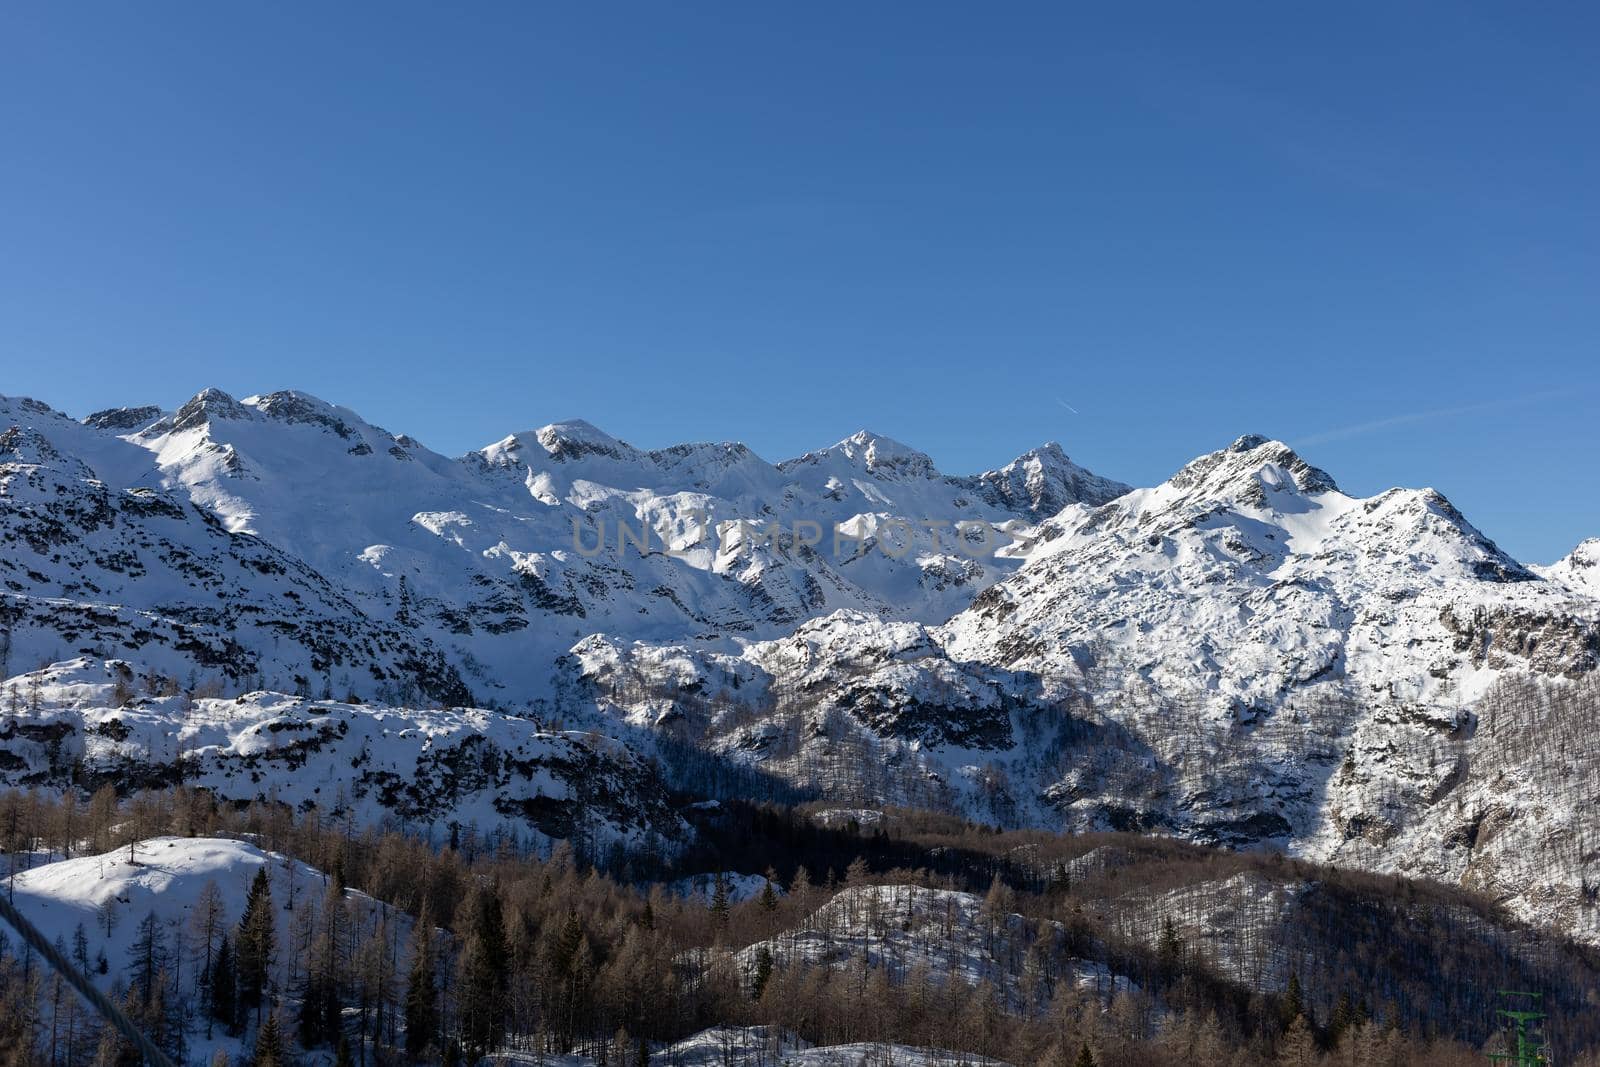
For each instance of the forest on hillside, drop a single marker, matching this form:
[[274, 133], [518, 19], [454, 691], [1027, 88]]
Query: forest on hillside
[[487, 948]]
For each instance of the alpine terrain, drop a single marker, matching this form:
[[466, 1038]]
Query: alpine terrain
[[838, 710]]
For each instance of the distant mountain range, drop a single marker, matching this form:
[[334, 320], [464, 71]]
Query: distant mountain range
[[1241, 655]]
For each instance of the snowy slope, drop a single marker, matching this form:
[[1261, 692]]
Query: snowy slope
[[756, 1046], [144, 573], [1579, 570], [166, 879], [420, 769], [1242, 654], [761, 1046], [512, 553], [503, 558], [947, 935]]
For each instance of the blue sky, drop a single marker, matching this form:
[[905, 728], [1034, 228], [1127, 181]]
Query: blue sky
[[1371, 230]]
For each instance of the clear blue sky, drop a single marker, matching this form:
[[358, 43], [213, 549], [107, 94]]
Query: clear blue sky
[[1372, 230]]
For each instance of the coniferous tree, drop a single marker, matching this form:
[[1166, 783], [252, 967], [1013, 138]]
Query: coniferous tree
[[269, 1049], [422, 995], [483, 980], [1169, 950], [222, 988], [255, 943], [147, 957], [720, 906], [763, 972], [1293, 1004], [321, 1013]]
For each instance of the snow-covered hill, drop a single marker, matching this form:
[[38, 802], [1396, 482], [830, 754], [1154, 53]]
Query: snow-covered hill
[[907, 930], [90, 721], [165, 878], [96, 909]]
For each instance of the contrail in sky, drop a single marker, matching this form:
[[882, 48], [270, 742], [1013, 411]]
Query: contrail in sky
[[1373, 425]]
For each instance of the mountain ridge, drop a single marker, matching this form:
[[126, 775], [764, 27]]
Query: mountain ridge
[[1242, 654]]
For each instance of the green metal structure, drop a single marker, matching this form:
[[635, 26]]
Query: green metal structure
[[1524, 1030]]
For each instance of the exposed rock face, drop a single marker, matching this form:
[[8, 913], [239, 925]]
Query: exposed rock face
[[123, 418]]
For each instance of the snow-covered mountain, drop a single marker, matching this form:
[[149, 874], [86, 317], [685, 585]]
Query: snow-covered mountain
[[494, 563], [1242, 654], [1579, 570]]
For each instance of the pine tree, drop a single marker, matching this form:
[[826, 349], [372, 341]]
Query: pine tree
[[763, 972], [1169, 950], [1085, 1058], [255, 944], [147, 956], [720, 907], [483, 981], [80, 948], [1299, 1045], [421, 1009], [321, 1013], [269, 1050], [768, 898], [207, 920], [1293, 1004], [222, 993], [1345, 1015]]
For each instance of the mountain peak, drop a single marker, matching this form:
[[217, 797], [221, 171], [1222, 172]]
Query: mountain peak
[[575, 438], [1044, 480], [123, 418], [206, 405], [1249, 443], [292, 405], [883, 456], [1249, 467], [1579, 570]]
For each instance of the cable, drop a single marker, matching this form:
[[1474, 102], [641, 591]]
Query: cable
[[79, 981]]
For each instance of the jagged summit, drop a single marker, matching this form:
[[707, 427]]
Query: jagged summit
[[1044, 480], [202, 408], [121, 419], [1252, 466], [294, 406], [576, 439], [873, 453]]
